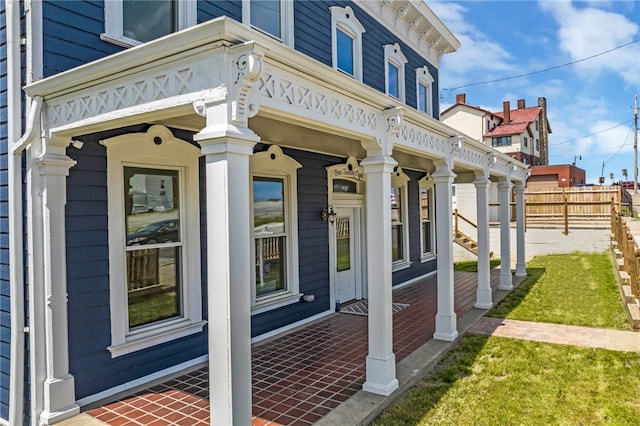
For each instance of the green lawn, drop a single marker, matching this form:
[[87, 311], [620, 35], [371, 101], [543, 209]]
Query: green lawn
[[574, 289], [472, 265], [500, 381]]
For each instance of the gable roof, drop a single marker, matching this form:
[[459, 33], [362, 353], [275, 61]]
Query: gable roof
[[520, 120]]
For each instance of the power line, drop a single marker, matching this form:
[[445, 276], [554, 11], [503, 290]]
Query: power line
[[543, 70], [592, 134]]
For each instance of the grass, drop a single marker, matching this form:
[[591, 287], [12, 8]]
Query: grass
[[499, 381], [493, 380], [574, 289], [472, 265]]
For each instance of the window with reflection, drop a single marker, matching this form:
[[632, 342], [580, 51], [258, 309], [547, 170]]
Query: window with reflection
[[149, 19], [425, 221], [269, 234], [393, 85], [397, 224], [153, 244], [266, 15], [345, 52]]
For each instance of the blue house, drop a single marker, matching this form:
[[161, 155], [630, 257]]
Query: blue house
[[183, 178]]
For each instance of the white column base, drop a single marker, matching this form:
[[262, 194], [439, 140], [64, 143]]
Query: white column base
[[505, 281], [446, 328], [483, 299], [521, 270], [57, 393], [381, 375]]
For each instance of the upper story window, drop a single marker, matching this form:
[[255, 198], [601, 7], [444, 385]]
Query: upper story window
[[154, 239], [427, 243], [526, 142], [394, 61], [424, 82], [537, 124], [132, 22], [274, 17], [346, 41], [537, 144], [275, 229], [399, 220], [501, 141]]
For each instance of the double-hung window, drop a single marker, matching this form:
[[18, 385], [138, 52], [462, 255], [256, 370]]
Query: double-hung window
[[399, 220], [275, 235], [424, 82], [346, 41], [154, 239], [273, 17], [131, 22], [394, 61], [427, 243]]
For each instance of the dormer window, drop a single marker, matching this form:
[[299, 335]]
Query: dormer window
[[394, 72], [127, 22], [346, 40], [273, 17]]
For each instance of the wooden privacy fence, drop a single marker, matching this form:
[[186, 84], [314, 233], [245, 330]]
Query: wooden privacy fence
[[627, 258], [571, 205]]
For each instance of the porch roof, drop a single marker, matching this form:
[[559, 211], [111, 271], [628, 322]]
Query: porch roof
[[161, 82]]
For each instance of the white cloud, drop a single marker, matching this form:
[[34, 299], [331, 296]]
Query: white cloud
[[589, 31], [477, 52]]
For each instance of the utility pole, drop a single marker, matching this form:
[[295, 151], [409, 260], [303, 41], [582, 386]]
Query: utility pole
[[635, 146]]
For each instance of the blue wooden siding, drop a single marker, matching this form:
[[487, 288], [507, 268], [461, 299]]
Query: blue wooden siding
[[5, 319], [88, 286], [315, 41]]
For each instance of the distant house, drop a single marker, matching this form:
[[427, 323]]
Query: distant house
[[185, 178], [521, 133], [561, 175]]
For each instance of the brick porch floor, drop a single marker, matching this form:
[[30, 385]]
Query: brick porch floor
[[301, 376]]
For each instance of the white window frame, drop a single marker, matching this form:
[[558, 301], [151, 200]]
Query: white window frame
[[394, 56], [143, 150], [286, 21], [343, 19], [113, 21], [400, 180], [427, 183], [424, 77], [273, 163]]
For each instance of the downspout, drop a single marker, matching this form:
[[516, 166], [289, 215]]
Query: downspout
[[16, 146], [16, 272]]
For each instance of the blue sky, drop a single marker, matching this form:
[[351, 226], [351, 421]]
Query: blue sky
[[508, 38]]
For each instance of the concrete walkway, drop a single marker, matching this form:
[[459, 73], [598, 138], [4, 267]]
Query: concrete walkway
[[615, 340]]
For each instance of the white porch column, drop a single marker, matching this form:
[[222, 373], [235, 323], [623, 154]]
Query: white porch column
[[483, 293], [381, 362], [50, 287], [227, 150], [521, 266], [504, 197], [446, 322]]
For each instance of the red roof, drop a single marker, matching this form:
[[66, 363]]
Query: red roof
[[520, 120]]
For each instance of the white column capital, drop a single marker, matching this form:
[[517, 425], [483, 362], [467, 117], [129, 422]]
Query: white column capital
[[519, 187], [443, 175], [504, 184], [481, 181]]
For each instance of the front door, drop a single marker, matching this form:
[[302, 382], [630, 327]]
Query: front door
[[347, 253]]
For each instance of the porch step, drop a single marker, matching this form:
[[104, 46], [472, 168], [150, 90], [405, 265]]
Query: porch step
[[620, 263], [617, 253], [627, 294], [467, 243], [625, 278]]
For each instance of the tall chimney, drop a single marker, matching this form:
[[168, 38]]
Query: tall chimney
[[521, 104], [461, 98], [544, 133], [506, 110]]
